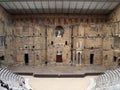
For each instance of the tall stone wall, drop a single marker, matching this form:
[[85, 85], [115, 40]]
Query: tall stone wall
[[85, 39], [59, 46], [92, 38], [37, 38], [29, 39], [115, 22], [4, 36], [115, 15], [77, 44]]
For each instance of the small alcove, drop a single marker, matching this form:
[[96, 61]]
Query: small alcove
[[59, 31]]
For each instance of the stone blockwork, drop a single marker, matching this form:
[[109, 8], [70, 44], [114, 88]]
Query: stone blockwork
[[59, 45], [29, 39], [50, 39], [115, 15], [4, 31], [91, 40], [115, 19]]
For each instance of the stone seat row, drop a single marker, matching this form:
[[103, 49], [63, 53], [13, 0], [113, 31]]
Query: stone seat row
[[12, 80], [109, 79]]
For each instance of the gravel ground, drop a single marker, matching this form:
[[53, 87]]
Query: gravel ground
[[59, 83]]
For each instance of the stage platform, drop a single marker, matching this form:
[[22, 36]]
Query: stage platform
[[59, 70]]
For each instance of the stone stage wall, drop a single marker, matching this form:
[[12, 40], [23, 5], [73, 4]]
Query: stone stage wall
[[69, 39]]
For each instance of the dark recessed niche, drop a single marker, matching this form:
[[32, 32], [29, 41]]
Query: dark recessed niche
[[2, 57], [114, 58], [59, 31], [26, 47], [98, 35], [33, 46], [59, 28], [33, 33], [52, 43], [66, 43], [91, 48], [40, 34]]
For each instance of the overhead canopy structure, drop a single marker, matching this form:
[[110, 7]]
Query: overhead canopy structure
[[60, 6]]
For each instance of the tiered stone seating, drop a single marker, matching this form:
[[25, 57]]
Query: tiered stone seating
[[110, 80], [1, 88], [11, 81]]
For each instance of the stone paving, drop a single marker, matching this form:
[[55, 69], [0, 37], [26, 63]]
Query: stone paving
[[59, 83], [58, 69]]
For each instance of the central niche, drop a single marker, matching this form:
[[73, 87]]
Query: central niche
[[59, 31]]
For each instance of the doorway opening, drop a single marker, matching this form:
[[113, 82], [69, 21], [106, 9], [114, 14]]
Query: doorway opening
[[91, 58], [79, 58], [26, 59], [58, 58]]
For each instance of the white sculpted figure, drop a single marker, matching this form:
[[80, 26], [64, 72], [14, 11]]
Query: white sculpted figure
[[59, 33]]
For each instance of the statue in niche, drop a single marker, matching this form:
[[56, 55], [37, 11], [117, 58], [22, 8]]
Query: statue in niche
[[59, 31]]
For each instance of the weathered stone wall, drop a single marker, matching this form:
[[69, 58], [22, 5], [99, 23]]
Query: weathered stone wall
[[59, 45], [115, 25], [85, 40], [4, 16], [29, 39], [4, 31], [92, 38], [41, 44], [115, 15]]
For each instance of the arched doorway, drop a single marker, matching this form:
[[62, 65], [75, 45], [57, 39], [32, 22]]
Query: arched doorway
[[79, 57]]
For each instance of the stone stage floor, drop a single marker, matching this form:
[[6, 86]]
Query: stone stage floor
[[58, 70]]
